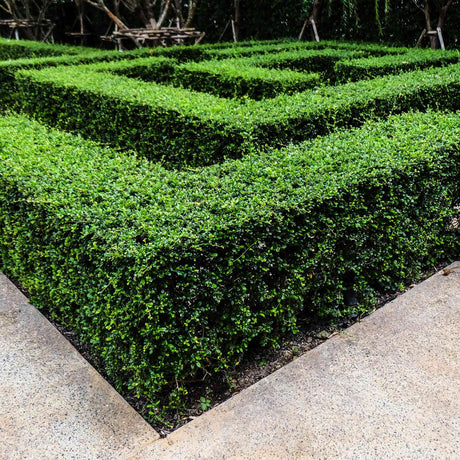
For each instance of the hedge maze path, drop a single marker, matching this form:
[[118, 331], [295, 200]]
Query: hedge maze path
[[184, 226]]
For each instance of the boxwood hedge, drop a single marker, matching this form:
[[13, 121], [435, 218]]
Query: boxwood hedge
[[154, 68], [357, 69], [180, 127], [168, 124], [322, 60], [17, 49], [369, 49], [235, 79], [249, 48], [201, 51], [9, 67], [171, 273], [215, 77]]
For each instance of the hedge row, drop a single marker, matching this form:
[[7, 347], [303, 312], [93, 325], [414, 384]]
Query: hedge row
[[262, 48], [235, 79], [333, 63], [369, 49], [168, 124], [8, 69], [204, 51], [357, 69], [257, 77], [299, 60], [241, 49], [242, 77], [17, 49], [214, 77], [155, 68], [178, 126], [168, 273]]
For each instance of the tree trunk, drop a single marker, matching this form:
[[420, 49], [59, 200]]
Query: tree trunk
[[434, 41], [316, 12], [315, 17], [236, 21], [163, 14], [191, 13], [443, 14], [432, 33], [179, 16], [99, 4]]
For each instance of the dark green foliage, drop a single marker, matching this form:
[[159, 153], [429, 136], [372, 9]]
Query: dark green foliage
[[168, 273], [208, 50], [263, 48], [260, 19], [157, 69], [181, 127], [369, 49]]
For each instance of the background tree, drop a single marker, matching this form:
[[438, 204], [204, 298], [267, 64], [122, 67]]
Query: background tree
[[256, 19], [431, 10], [391, 21], [349, 18]]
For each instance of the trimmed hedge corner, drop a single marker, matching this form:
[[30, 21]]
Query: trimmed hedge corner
[[171, 273]]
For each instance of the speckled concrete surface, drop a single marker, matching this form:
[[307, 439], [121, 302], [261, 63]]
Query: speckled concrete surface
[[53, 404], [387, 388]]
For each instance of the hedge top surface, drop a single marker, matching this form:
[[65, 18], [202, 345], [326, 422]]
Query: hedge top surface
[[290, 45], [117, 197], [223, 69], [30, 48], [126, 64], [231, 50], [327, 98], [26, 48], [414, 56], [284, 56], [234, 68], [88, 56]]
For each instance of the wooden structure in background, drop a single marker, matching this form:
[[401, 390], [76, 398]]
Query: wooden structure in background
[[166, 36], [44, 27], [82, 34]]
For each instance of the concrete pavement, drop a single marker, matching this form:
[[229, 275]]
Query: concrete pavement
[[53, 404]]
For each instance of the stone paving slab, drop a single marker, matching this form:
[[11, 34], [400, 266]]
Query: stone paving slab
[[53, 404], [386, 388]]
